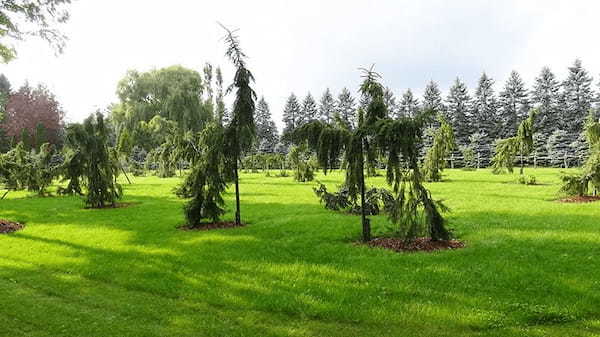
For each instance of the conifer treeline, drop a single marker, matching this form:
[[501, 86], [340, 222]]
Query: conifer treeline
[[484, 111]]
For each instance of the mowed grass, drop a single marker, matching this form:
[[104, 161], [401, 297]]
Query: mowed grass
[[531, 266]]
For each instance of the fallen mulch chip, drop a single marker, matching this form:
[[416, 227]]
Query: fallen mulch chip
[[210, 226], [7, 226], [418, 244], [580, 199]]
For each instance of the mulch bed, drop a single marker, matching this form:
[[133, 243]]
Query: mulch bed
[[211, 226], [416, 245], [7, 226], [116, 205], [580, 199]]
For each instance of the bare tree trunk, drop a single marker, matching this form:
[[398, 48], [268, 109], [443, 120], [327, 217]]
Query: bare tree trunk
[[237, 193], [366, 224], [521, 172]]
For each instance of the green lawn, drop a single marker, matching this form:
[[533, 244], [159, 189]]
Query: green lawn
[[531, 266]]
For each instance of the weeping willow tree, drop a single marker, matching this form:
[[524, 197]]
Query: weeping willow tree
[[241, 131], [589, 178], [92, 160], [521, 145], [443, 144], [378, 136]]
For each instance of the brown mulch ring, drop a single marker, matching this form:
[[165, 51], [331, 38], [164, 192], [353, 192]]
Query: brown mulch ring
[[7, 226], [116, 205], [416, 245], [211, 226], [580, 199]]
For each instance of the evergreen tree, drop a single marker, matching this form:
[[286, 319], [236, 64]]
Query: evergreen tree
[[327, 107], [578, 98], [208, 86], [409, 105], [309, 111], [98, 167], [207, 180], [241, 130], [458, 105], [346, 108], [520, 145], [291, 115], [442, 145], [558, 148], [485, 118], [485, 109], [221, 110], [266, 131], [390, 102], [545, 97], [514, 104], [432, 98]]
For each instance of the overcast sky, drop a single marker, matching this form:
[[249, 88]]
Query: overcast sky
[[301, 46]]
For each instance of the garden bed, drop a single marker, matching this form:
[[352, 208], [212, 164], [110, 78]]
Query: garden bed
[[416, 245], [211, 226], [7, 226], [580, 199]]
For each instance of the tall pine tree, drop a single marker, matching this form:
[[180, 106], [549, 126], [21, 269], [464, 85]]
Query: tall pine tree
[[409, 104], [292, 115], [390, 101], [241, 130], [266, 131], [309, 110], [485, 116], [432, 97], [514, 104], [578, 98], [458, 105], [346, 108], [545, 97], [327, 107], [485, 108]]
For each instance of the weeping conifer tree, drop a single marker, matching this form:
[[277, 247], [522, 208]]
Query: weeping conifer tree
[[240, 132], [522, 144], [207, 181], [581, 182], [443, 144], [92, 160], [395, 140]]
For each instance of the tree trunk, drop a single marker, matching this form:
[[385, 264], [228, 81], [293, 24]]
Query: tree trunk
[[237, 193], [366, 225], [521, 172]]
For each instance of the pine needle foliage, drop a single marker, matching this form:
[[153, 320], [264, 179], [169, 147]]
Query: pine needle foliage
[[241, 131], [443, 144]]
